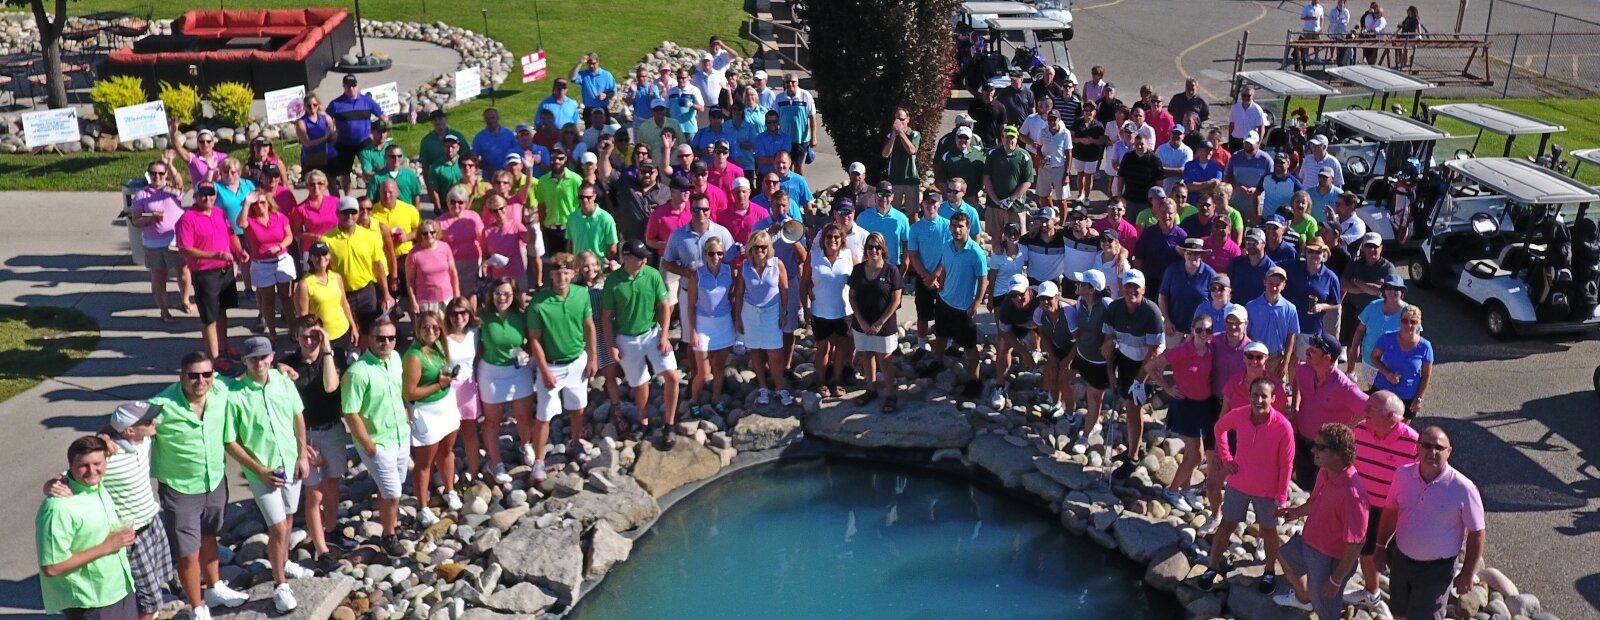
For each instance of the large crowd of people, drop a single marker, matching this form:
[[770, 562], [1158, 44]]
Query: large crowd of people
[[577, 248]]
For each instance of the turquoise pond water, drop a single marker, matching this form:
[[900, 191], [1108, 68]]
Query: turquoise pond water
[[832, 539]]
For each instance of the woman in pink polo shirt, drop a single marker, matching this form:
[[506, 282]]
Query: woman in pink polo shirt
[[317, 214], [1320, 559], [203, 162], [1194, 410], [503, 237], [431, 271], [463, 233], [272, 269]]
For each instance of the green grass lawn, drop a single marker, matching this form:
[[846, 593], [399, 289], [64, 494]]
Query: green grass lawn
[[1581, 117], [622, 31], [38, 343]]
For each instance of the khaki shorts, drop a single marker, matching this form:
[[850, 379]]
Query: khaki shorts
[[906, 197], [1051, 183], [162, 258]]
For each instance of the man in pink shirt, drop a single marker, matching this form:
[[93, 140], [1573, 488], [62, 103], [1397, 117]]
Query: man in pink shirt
[[155, 212], [741, 215], [1258, 477], [1383, 443], [1319, 560], [700, 180], [209, 250], [670, 216], [1432, 509], [723, 173], [1322, 394], [1220, 244], [1193, 411]]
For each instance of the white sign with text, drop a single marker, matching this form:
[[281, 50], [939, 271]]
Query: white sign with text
[[387, 96], [469, 83], [285, 104], [50, 127], [146, 120]]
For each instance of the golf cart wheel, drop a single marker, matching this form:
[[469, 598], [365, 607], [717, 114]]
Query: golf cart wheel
[[1497, 321], [1417, 272]]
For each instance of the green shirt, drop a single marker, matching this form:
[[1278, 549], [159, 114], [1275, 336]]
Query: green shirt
[[372, 158], [261, 418], [592, 233], [502, 336], [67, 525], [188, 452], [559, 197], [432, 363], [443, 176], [1007, 171], [968, 166], [903, 164], [371, 389], [632, 300], [1307, 229], [1233, 216], [560, 323], [431, 152], [405, 179]]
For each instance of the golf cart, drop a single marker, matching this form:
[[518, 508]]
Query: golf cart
[[1035, 33], [1583, 156], [1285, 85], [1517, 239], [1388, 159], [1383, 81], [1498, 120]]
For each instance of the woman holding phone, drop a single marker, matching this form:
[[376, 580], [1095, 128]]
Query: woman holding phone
[[435, 417]]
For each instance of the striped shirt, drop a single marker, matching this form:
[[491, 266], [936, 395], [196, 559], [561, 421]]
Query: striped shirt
[[127, 481], [1378, 457]]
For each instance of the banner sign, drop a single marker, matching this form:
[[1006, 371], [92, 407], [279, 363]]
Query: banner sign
[[387, 96], [145, 120], [469, 83], [50, 127], [286, 104], [533, 66]]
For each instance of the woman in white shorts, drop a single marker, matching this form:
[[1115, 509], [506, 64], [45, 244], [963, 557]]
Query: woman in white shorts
[[824, 285], [875, 290], [461, 342], [710, 325], [272, 272], [434, 414], [504, 376], [760, 297]]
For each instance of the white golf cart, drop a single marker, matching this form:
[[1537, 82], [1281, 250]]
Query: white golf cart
[[994, 36], [1383, 81], [1495, 119], [1517, 239], [1583, 156], [1385, 157]]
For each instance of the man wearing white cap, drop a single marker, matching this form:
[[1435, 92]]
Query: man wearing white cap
[[1174, 155], [1317, 160], [650, 131], [1324, 195], [1052, 323], [1245, 169], [764, 94], [708, 79], [1136, 328], [857, 189], [965, 159], [1246, 116], [266, 436], [740, 216], [947, 142], [1014, 306]]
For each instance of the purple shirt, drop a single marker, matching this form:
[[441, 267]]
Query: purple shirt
[[158, 233], [1435, 517], [1156, 251]]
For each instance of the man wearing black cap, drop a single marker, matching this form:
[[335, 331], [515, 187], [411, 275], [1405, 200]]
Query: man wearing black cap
[[634, 315], [700, 183], [209, 246], [843, 215], [717, 130], [371, 159], [633, 197], [1016, 98], [563, 109], [431, 150], [352, 112]]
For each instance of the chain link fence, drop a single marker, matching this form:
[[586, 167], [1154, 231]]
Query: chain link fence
[[1537, 52]]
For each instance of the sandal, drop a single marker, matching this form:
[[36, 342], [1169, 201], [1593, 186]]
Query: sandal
[[891, 404], [866, 398]]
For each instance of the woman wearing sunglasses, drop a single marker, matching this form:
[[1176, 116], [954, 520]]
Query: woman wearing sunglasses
[[710, 325], [204, 160], [461, 230], [431, 271], [321, 293], [875, 289], [272, 269], [824, 285]]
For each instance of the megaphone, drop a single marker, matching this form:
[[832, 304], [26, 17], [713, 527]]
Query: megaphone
[[792, 232]]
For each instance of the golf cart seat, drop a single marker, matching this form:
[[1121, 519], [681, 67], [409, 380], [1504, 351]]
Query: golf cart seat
[[1486, 268], [1520, 254]]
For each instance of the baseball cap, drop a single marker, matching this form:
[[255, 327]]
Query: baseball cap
[[706, 56], [635, 248], [1326, 343], [1092, 277], [1256, 235], [1221, 279], [451, 139], [380, 125], [132, 413], [720, 146], [714, 112], [1013, 230], [1016, 73], [1017, 284], [1045, 213], [761, 76], [1282, 158], [679, 184], [1276, 220], [885, 186], [963, 131], [1177, 128], [1325, 172], [1277, 271], [1393, 281], [1010, 130], [858, 168], [1256, 346], [1252, 138], [741, 182], [205, 189], [1320, 140], [349, 79], [1237, 311], [320, 248], [260, 141], [348, 204], [591, 158], [271, 170], [1372, 238], [963, 120], [696, 168], [437, 114], [1133, 276], [257, 346], [1109, 235], [1205, 145], [1053, 115], [845, 206], [560, 83], [521, 127], [513, 158], [931, 195], [1156, 191], [1047, 289], [658, 103]]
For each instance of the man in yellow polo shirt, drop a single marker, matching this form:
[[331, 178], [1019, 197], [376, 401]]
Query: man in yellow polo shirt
[[187, 462], [400, 220], [358, 257], [83, 565]]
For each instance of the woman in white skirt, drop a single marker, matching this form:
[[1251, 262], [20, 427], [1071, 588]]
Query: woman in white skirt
[[461, 342], [875, 289], [759, 298], [434, 414], [504, 377], [824, 285], [272, 272], [710, 325]]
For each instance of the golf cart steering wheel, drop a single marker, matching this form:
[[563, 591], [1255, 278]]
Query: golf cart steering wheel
[[1485, 225], [1357, 166]]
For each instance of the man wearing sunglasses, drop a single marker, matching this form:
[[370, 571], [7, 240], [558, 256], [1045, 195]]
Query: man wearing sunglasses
[[883, 219], [681, 257], [375, 413], [964, 160], [797, 111], [1320, 559], [394, 169], [209, 246], [592, 229], [359, 257], [1432, 510], [1323, 394], [557, 195]]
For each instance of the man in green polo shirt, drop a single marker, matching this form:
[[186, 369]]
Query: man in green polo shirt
[[83, 565], [373, 157], [187, 463], [374, 411], [394, 168], [591, 229], [431, 151], [561, 336], [1007, 177], [266, 435], [966, 160], [901, 150], [557, 195], [445, 173], [634, 310]]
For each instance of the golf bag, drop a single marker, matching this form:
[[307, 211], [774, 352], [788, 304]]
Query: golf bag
[[1550, 283], [1586, 267]]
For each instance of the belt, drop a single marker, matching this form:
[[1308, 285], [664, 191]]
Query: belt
[[323, 427], [565, 362], [554, 227], [268, 260], [1396, 549]]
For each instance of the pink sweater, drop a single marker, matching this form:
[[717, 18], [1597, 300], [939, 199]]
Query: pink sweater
[[1266, 453]]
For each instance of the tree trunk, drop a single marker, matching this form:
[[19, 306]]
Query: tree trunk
[[50, 41]]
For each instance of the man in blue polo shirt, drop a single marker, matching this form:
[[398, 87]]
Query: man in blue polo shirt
[[352, 112], [924, 250], [884, 219], [769, 143], [1314, 289], [494, 142], [708, 136], [1202, 175], [1248, 271], [562, 107], [793, 182], [1246, 167], [797, 111], [595, 85], [1273, 322], [962, 275]]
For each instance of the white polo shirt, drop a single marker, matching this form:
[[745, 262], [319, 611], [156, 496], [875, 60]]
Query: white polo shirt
[[1246, 120]]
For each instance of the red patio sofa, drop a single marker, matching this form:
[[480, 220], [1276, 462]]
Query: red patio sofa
[[305, 45]]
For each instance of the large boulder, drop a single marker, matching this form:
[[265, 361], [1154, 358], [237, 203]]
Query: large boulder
[[1006, 461], [548, 557], [604, 549], [759, 432], [1045, 488], [318, 597], [626, 506], [524, 599], [916, 425], [1167, 570], [1141, 537], [661, 471], [1073, 475]]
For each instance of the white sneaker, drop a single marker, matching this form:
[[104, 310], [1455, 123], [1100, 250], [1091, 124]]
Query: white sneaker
[[295, 571], [1360, 597], [764, 396], [283, 598], [1177, 500], [997, 400], [1193, 497], [220, 595], [1211, 525], [538, 472], [1287, 599], [296, 537], [452, 500], [500, 474], [785, 398], [426, 518], [200, 613], [528, 456]]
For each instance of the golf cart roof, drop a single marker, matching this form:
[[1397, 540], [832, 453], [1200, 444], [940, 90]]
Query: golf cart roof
[[1287, 83], [1381, 126], [1379, 79], [1025, 23], [1523, 181], [1496, 119], [1591, 156], [998, 8]]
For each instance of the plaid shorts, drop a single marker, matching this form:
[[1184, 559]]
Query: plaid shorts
[[150, 557]]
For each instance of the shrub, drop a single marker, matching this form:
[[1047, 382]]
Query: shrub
[[231, 101], [875, 56], [183, 102], [117, 92]]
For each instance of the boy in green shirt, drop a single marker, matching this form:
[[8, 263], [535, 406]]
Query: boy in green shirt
[[376, 415], [83, 568], [561, 336]]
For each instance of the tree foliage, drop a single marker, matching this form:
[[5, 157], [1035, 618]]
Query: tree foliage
[[869, 57]]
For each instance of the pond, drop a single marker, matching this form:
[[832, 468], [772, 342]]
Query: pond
[[847, 539]]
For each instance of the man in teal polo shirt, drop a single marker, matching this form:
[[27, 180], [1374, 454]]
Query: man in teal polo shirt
[[561, 336], [187, 462], [83, 565], [634, 311], [1007, 177], [963, 273], [376, 415], [591, 229], [266, 435], [597, 86], [882, 218]]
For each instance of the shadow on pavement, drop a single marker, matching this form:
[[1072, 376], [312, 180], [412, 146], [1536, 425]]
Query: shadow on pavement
[[1508, 480], [23, 594]]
